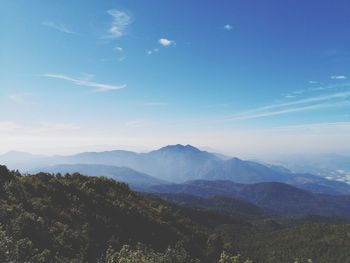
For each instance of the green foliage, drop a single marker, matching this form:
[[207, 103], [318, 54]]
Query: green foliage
[[5, 245], [74, 218], [215, 246], [321, 243], [142, 254], [228, 258]]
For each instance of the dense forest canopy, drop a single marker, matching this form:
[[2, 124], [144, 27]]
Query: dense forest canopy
[[75, 218]]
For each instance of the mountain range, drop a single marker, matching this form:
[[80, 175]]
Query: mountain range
[[173, 163]]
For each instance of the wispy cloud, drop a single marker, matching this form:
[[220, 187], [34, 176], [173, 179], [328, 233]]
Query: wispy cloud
[[98, 87], [166, 42], [311, 103], [317, 88], [338, 95], [339, 77], [119, 24], [228, 27], [290, 96], [314, 126], [289, 110], [295, 93], [58, 26]]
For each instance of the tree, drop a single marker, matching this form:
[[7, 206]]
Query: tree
[[226, 257]]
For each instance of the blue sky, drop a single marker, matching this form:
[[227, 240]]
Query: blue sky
[[243, 77]]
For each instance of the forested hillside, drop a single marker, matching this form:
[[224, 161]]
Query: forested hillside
[[75, 218], [47, 218], [276, 198]]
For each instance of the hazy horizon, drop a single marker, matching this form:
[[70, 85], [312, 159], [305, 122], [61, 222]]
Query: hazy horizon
[[264, 157]]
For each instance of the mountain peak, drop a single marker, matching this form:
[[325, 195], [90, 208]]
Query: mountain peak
[[180, 147]]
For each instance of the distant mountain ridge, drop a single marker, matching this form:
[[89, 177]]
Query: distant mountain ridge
[[181, 163]]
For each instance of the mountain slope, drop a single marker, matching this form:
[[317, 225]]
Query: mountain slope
[[179, 163], [75, 218], [226, 205], [241, 171], [279, 198]]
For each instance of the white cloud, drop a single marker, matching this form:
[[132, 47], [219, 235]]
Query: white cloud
[[228, 27], [98, 87], [119, 49], [338, 77], [8, 126], [289, 96], [166, 42], [313, 82], [58, 26], [119, 24]]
